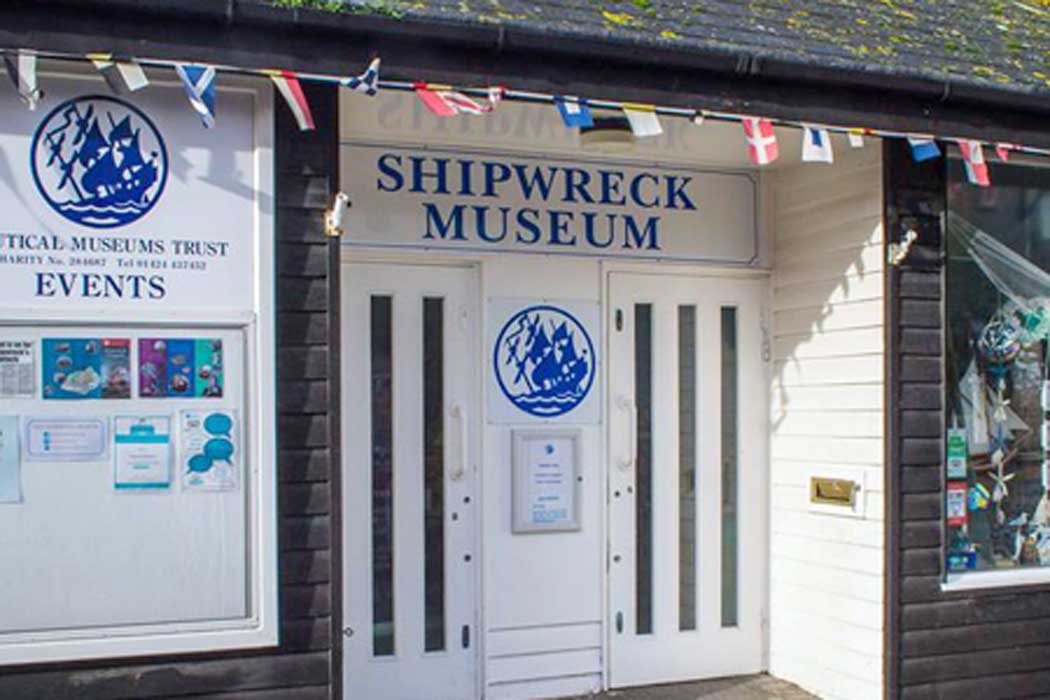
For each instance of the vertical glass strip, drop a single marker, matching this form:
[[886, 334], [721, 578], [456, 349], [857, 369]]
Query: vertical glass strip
[[434, 472], [643, 399], [687, 502], [730, 480], [382, 476]]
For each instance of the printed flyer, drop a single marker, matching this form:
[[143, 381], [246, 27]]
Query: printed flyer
[[86, 368], [180, 368], [65, 439], [17, 373], [210, 456], [10, 461], [141, 452]]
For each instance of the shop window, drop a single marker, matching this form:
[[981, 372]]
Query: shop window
[[997, 469]]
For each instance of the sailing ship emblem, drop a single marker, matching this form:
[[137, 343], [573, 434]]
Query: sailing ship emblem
[[544, 361], [99, 161]]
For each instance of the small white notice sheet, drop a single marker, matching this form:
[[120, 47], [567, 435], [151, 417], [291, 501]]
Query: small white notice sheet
[[65, 439], [10, 461], [142, 452], [545, 480], [17, 369]]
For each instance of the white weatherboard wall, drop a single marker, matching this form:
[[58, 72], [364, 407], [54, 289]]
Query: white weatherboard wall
[[826, 571]]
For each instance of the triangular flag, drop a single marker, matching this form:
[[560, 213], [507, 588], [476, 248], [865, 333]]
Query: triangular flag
[[762, 145], [973, 159], [119, 75], [22, 69], [643, 119], [367, 82], [443, 101], [816, 145], [574, 112], [923, 148], [288, 85], [856, 138], [1003, 150], [199, 83]]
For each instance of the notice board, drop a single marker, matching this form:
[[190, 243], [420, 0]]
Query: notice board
[[137, 476]]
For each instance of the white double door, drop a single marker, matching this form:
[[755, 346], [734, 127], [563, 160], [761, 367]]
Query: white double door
[[410, 427], [687, 477]]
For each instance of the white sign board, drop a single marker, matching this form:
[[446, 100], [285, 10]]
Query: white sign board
[[546, 486], [472, 201], [112, 203], [543, 361]]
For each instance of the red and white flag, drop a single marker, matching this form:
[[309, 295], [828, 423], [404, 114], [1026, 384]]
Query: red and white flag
[[973, 159], [443, 101], [288, 85], [1003, 150], [761, 140]]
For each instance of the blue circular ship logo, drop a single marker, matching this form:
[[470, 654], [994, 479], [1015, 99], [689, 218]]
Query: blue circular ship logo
[[99, 161], [544, 361]]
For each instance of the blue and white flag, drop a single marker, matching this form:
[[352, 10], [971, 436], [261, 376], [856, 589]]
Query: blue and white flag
[[923, 148], [199, 83], [367, 82], [574, 112], [816, 145]]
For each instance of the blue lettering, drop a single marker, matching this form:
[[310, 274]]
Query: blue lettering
[[560, 225], [464, 178], [419, 174], [676, 192], [636, 190], [576, 182], [612, 181], [390, 171], [495, 173], [453, 224], [530, 224], [481, 216], [588, 218], [528, 184], [631, 232]]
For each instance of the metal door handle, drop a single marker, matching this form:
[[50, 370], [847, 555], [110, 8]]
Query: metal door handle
[[625, 403], [459, 467]]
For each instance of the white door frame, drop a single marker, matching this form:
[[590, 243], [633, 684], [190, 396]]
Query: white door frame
[[607, 268], [350, 256]]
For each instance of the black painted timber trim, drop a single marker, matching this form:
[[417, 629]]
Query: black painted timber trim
[[989, 644], [307, 664]]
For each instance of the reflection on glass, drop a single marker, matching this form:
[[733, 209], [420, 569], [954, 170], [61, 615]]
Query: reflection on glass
[[643, 398], [434, 472], [730, 481], [382, 478], [687, 503]]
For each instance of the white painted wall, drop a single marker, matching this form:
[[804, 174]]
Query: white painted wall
[[826, 571]]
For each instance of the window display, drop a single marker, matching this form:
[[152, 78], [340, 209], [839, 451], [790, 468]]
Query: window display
[[997, 468]]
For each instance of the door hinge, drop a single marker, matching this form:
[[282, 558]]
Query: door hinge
[[767, 342], [465, 636]]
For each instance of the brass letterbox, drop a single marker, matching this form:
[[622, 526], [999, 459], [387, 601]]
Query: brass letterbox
[[833, 492]]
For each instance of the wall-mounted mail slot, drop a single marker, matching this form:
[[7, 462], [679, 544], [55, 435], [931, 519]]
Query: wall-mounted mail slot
[[835, 492]]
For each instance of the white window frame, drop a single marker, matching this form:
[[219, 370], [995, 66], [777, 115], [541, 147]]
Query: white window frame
[[260, 628]]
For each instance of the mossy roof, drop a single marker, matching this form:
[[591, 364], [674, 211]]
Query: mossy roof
[[992, 43]]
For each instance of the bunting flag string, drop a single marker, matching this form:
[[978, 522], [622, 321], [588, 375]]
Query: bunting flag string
[[816, 145], [199, 84], [288, 85], [367, 82], [643, 119], [120, 76], [21, 67], [761, 140], [574, 112], [973, 159], [445, 100]]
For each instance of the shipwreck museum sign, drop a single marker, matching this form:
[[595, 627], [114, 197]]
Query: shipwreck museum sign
[[493, 202]]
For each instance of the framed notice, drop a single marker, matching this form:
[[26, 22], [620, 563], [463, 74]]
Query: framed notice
[[546, 485]]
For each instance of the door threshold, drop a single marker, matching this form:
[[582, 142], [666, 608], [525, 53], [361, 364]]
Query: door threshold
[[757, 687]]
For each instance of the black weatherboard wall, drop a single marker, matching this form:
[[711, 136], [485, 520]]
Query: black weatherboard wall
[[307, 664], [989, 644]]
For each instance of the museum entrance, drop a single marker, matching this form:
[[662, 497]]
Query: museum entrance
[[688, 420], [409, 462]]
